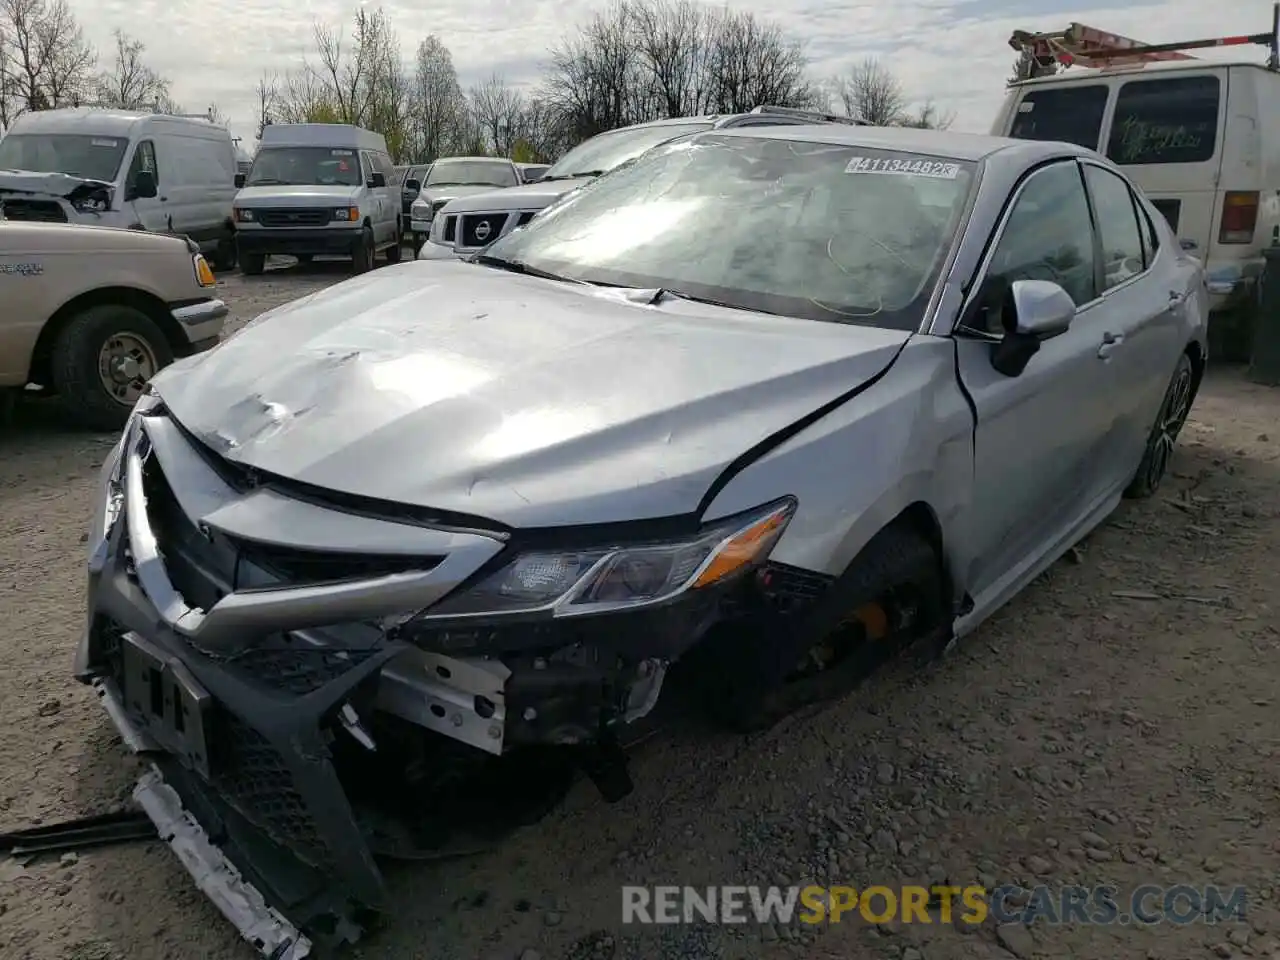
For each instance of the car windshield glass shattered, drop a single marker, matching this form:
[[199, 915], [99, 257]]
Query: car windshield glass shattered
[[826, 232], [310, 166], [472, 173], [609, 150], [78, 155]]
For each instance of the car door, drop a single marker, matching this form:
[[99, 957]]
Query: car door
[[151, 212], [1038, 435], [1140, 308]]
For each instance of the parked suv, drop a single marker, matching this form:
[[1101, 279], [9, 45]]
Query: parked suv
[[92, 313], [467, 224]]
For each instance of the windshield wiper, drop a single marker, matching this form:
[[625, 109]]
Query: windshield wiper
[[517, 266], [270, 181], [662, 293]]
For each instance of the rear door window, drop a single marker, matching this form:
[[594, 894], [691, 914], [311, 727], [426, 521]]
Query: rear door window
[[1071, 114], [1166, 120]]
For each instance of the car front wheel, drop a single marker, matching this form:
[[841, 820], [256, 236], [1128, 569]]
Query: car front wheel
[[102, 361], [1164, 433]]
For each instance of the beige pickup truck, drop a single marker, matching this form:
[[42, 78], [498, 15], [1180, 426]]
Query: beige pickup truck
[[89, 314]]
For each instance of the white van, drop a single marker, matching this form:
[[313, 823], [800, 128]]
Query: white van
[[316, 189], [1202, 140], [120, 168]]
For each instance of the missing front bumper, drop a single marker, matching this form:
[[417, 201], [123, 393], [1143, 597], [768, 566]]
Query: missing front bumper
[[211, 870]]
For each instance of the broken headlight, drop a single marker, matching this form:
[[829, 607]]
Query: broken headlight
[[567, 583], [110, 490]]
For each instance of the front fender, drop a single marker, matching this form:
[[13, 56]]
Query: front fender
[[907, 439]]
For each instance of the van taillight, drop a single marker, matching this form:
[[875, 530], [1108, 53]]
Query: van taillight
[[1239, 216]]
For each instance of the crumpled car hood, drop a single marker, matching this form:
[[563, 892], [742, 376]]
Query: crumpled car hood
[[530, 402], [46, 184]]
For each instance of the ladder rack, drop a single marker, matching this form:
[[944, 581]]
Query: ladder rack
[[1085, 46]]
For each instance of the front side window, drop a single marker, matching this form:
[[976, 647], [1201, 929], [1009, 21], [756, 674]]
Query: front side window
[[1118, 229], [1170, 120], [487, 173], [1048, 236], [144, 161], [1068, 114], [305, 166], [833, 233], [77, 155]]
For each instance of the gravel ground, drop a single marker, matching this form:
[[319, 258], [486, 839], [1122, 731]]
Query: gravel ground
[[1115, 724]]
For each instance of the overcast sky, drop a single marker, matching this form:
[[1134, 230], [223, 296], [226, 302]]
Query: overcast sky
[[955, 51]]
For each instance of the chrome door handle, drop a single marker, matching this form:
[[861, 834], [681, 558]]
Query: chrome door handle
[[1109, 342]]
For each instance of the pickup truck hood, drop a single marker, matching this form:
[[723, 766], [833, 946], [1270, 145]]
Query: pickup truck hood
[[528, 196], [532, 402], [296, 195], [47, 184], [436, 194]]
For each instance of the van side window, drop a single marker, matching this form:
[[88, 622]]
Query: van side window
[[1048, 236], [1165, 120], [1122, 256], [144, 158], [1073, 114]]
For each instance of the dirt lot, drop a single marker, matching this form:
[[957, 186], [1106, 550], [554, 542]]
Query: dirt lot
[[1115, 724]]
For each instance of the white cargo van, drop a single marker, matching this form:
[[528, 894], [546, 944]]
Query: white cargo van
[[316, 189], [121, 168], [1201, 138]]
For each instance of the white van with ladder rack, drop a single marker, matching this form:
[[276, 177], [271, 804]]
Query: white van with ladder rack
[[1200, 138]]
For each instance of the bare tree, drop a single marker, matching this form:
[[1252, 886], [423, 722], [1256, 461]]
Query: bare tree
[[644, 59], [871, 92], [927, 116], [268, 93], [128, 82], [45, 60], [498, 111], [439, 108]]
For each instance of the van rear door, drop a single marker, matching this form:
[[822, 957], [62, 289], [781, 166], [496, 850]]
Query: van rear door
[[1167, 132]]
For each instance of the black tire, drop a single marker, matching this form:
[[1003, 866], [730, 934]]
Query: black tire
[[252, 264], [1164, 432], [224, 256], [81, 392], [362, 254], [751, 689], [417, 242], [396, 250]]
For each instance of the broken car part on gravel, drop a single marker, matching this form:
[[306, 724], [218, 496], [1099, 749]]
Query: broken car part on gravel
[[108, 829]]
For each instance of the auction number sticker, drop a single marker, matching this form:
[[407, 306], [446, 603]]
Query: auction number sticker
[[904, 167]]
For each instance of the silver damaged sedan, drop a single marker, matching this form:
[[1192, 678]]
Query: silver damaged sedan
[[755, 412]]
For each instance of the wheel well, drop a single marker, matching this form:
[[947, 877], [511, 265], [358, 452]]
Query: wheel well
[[1196, 354], [920, 519], [147, 303]]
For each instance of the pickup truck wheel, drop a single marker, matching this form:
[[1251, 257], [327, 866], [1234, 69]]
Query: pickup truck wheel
[[396, 250], [1164, 434], [889, 599], [103, 359], [362, 255], [252, 264]]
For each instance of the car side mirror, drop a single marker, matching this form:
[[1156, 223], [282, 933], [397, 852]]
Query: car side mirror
[[1033, 311], [376, 179], [239, 180], [412, 186], [144, 185]]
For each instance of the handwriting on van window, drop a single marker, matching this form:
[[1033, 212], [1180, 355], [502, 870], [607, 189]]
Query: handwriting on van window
[[1142, 138]]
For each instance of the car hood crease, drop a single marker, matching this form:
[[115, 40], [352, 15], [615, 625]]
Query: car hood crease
[[456, 387]]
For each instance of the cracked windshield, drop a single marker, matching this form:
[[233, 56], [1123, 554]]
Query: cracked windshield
[[802, 229]]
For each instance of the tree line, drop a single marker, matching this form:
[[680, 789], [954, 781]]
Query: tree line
[[46, 62], [634, 61]]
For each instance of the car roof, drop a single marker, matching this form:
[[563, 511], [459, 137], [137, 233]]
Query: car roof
[[469, 160], [936, 143]]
